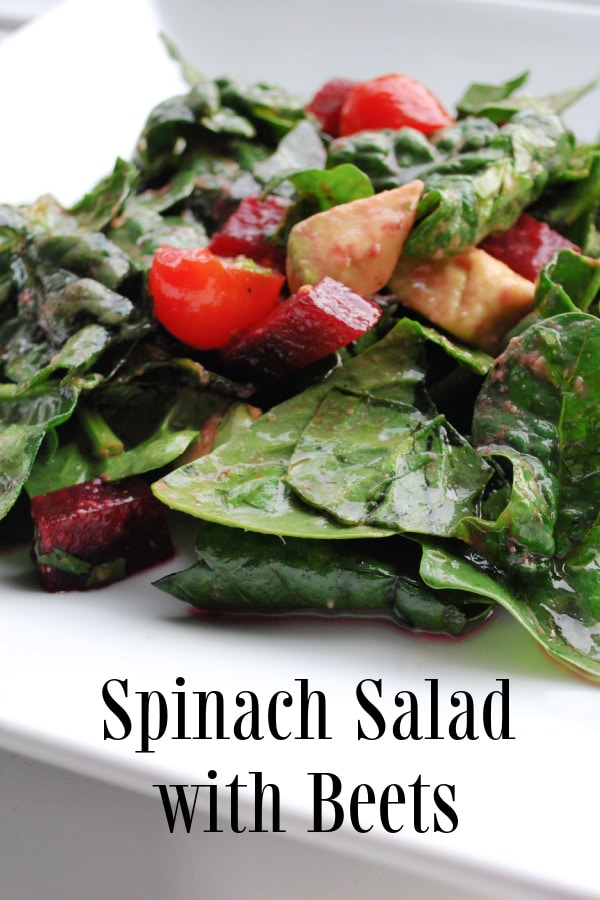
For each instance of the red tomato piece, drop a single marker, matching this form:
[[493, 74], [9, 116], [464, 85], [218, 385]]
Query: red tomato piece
[[392, 101], [205, 300], [327, 103], [250, 229]]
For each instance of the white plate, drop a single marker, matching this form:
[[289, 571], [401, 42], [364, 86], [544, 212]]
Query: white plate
[[78, 85]]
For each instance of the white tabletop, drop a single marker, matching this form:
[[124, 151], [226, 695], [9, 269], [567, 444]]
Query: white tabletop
[[86, 807]]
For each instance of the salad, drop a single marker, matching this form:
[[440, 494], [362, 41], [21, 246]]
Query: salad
[[354, 337]]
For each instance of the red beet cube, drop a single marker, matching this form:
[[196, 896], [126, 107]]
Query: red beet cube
[[314, 322], [326, 104], [250, 231], [92, 534], [527, 246]]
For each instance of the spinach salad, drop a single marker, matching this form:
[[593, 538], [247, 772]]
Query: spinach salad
[[416, 472]]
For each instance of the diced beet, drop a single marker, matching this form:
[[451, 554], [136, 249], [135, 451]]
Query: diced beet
[[527, 246], [250, 230], [314, 322], [326, 104], [98, 532]]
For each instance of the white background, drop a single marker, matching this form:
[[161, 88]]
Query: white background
[[14, 13]]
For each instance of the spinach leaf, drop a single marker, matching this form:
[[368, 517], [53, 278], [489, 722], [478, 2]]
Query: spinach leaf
[[240, 572], [25, 419], [485, 190], [97, 208], [538, 411], [488, 100], [499, 102], [258, 480], [143, 421], [388, 157], [241, 483], [571, 205], [385, 463], [537, 415], [300, 149], [216, 114], [271, 108], [554, 609], [569, 282], [328, 187]]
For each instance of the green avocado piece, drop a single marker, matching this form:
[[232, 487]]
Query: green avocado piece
[[357, 243]]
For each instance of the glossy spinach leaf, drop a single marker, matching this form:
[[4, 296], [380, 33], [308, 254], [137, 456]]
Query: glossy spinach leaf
[[254, 481], [142, 422], [385, 463], [328, 187], [271, 108], [25, 419], [572, 204], [241, 483], [246, 573], [490, 100], [560, 610], [214, 113], [538, 411], [484, 190], [569, 282], [389, 158], [300, 149], [537, 415]]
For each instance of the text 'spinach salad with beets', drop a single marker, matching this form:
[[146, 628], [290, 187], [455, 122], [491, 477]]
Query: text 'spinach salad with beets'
[[357, 339]]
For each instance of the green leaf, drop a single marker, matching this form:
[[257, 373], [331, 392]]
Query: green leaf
[[572, 205], [549, 606], [98, 207], [332, 186], [485, 190], [538, 416], [127, 428], [240, 572], [569, 282], [25, 419], [386, 464], [72, 464], [82, 254], [241, 483], [488, 99], [389, 158], [499, 103], [253, 481], [271, 108], [300, 149]]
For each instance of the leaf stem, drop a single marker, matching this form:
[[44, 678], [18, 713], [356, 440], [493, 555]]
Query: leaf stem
[[104, 441], [8, 390]]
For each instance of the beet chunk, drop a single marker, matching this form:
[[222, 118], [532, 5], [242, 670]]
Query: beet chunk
[[250, 231], [98, 532], [527, 246], [316, 321]]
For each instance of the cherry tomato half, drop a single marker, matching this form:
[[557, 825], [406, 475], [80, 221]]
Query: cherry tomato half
[[327, 103], [392, 101], [205, 300]]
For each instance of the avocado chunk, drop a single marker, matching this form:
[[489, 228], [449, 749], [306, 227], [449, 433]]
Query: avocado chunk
[[357, 243], [473, 296]]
